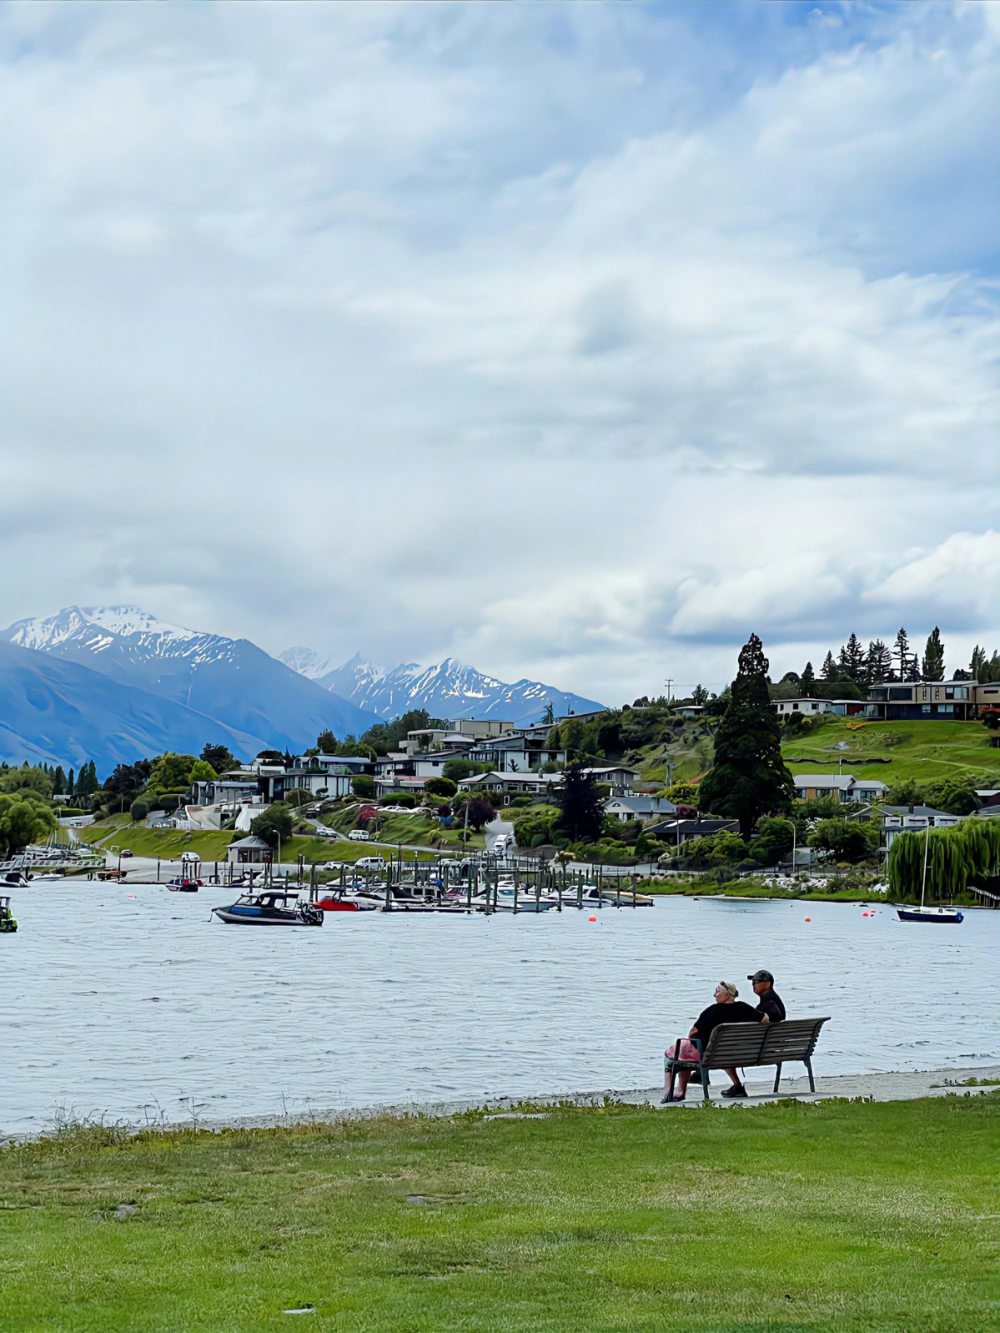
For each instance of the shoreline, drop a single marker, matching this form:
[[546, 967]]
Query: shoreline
[[899, 1085]]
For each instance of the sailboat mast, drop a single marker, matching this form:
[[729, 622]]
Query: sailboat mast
[[923, 878]]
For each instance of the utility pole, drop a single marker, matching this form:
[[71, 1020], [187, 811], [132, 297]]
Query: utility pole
[[670, 681]]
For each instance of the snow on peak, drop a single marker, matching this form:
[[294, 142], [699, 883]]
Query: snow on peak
[[97, 627]]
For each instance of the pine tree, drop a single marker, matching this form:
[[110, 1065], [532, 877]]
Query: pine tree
[[58, 781], [749, 778], [977, 663], [582, 810], [70, 784], [853, 662], [933, 668], [808, 681], [830, 671], [879, 662], [909, 667]]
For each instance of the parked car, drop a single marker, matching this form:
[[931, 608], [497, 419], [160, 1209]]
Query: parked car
[[371, 862], [127, 851], [359, 835]]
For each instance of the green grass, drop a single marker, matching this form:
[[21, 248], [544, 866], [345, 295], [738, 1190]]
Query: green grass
[[838, 1216], [925, 751]]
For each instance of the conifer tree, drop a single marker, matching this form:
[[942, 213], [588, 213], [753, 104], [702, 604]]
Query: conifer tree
[[879, 662], [830, 671], [58, 781], [852, 660], [70, 784], [933, 667], [749, 778], [808, 681]]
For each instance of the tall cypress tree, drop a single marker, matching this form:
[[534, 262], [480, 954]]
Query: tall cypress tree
[[830, 671], [749, 778], [58, 781], [933, 668], [808, 681], [879, 662], [70, 784]]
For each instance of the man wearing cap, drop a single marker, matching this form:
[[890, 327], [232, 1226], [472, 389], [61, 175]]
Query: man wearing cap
[[770, 1006]]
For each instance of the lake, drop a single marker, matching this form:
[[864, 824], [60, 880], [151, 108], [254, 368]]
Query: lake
[[128, 1002]]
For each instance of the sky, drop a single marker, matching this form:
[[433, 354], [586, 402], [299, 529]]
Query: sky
[[574, 341]]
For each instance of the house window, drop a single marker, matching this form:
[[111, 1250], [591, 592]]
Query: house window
[[937, 693], [946, 708], [925, 708], [901, 695], [814, 707], [795, 708], [923, 693]]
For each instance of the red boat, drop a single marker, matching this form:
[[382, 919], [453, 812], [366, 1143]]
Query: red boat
[[336, 902]]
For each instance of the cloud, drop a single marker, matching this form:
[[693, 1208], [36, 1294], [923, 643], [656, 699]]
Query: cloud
[[574, 341]]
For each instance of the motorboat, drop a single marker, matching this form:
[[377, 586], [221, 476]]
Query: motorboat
[[181, 884], [7, 923], [15, 879], [271, 907], [338, 901], [943, 916]]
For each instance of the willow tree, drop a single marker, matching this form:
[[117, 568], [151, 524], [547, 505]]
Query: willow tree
[[749, 778], [955, 857]]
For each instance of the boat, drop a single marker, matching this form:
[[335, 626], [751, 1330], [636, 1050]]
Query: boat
[[945, 916], [181, 884], [338, 901], [7, 923], [942, 916], [269, 908]]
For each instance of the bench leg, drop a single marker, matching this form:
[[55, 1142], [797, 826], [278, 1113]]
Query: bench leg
[[777, 1078], [673, 1069], [812, 1082], [704, 1083]]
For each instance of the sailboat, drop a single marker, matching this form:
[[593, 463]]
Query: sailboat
[[945, 916]]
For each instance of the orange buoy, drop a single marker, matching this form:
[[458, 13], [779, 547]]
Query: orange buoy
[[591, 918]]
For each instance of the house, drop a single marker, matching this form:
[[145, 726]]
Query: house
[[619, 777], [948, 700], [988, 797], [644, 808], [248, 851], [680, 831], [897, 819], [507, 785], [807, 707], [846, 788], [689, 710]]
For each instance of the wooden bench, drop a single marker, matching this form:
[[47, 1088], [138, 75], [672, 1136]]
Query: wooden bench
[[750, 1045]]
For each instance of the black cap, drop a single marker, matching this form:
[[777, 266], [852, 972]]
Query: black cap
[[761, 974]]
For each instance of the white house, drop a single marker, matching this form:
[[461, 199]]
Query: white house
[[897, 819], [807, 707], [645, 808]]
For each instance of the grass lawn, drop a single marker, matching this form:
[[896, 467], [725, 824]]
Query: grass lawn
[[839, 1216], [925, 751]]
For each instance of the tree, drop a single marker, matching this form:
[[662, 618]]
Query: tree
[[548, 717], [138, 810], [441, 786], [201, 771], [480, 812], [853, 663], [682, 792], [807, 681], [274, 825], [59, 782], [126, 782], [457, 769], [24, 817], [845, 839], [17, 779], [909, 667], [218, 757], [829, 670], [933, 666], [772, 840], [297, 796], [749, 778], [70, 784], [362, 785], [581, 809], [977, 662], [879, 662], [699, 695], [326, 742]]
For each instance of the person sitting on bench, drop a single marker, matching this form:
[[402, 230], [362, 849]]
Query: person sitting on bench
[[769, 1003], [726, 1009]]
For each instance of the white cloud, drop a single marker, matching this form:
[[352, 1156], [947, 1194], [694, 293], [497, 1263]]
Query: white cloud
[[481, 330]]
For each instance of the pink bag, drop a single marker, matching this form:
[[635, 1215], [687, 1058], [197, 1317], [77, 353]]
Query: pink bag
[[688, 1051]]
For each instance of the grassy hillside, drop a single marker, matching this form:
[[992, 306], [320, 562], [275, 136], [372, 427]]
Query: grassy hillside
[[923, 751], [843, 1216]]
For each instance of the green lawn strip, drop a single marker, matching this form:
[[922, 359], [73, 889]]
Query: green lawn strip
[[920, 750], [839, 1216]]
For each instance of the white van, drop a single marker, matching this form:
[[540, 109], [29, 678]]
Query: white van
[[359, 835], [370, 862]]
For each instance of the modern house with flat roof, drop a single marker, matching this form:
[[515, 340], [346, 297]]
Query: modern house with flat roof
[[846, 788]]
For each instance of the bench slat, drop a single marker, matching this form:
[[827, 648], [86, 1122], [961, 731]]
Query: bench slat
[[749, 1044]]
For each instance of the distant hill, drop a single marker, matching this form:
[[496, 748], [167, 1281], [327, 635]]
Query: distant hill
[[59, 712], [229, 680], [449, 689]]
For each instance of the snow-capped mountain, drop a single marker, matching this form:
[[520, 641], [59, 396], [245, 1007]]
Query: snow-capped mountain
[[449, 689], [306, 662], [230, 680]]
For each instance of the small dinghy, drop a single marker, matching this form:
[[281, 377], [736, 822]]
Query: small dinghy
[[181, 884], [337, 901], [945, 916], [7, 923], [273, 907]]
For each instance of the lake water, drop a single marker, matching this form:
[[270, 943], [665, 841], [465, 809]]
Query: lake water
[[128, 1002]]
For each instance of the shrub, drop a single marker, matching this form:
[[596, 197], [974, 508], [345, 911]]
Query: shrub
[[846, 840], [401, 798], [169, 802], [297, 796], [441, 786], [682, 792], [138, 810], [364, 786]]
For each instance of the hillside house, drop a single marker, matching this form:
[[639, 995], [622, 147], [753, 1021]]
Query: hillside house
[[897, 819], [846, 788], [644, 808], [248, 851]]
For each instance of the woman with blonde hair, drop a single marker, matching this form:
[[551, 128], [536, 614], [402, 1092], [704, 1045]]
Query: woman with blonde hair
[[726, 1009]]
